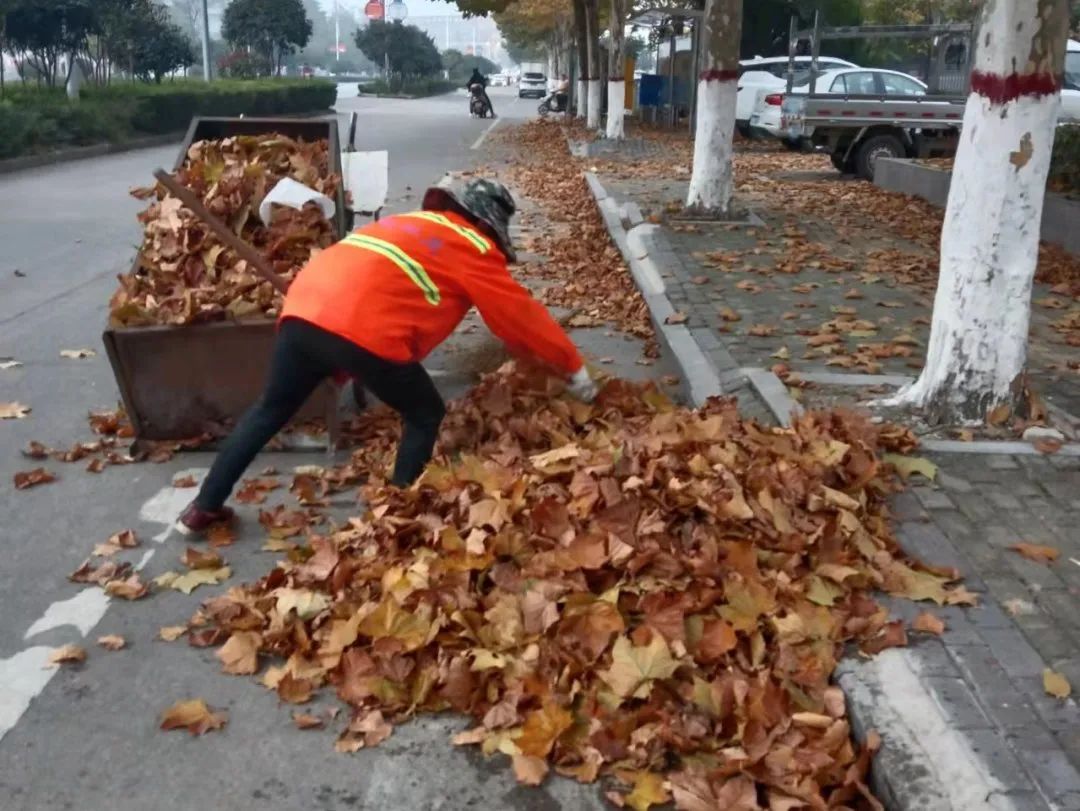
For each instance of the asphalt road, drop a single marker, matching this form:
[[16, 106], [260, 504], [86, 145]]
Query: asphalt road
[[86, 737]]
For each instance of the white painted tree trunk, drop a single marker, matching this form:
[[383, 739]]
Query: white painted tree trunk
[[582, 98], [595, 95], [990, 239], [711, 182], [616, 109]]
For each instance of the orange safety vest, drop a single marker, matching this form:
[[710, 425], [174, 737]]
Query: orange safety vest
[[399, 287]]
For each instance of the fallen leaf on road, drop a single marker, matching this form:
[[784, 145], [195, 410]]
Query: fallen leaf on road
[[112, 642], [928, 624], [762, 330], [294, 690], [998, 415], [197, 559], [634, 668], [124, 539], [240, 654], [908, 466], [677, 318], [220, 535], [529, 770], [35, 450], [1055, 684], [189, 581], [194, 716], [648, 790], [783, 353], [1017, 607], [9, 364], [1047, 445], [305, 720], [13, 411], [131, 588], [77, 353], [729, 315], [1037, 552], [184, 482], [700, 279], [31, 478], [171, 633], [67, 655]]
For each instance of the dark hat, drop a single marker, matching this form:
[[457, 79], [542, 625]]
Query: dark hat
[[488, 203]]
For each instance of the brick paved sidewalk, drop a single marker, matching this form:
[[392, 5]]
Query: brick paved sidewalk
[[759, 296]]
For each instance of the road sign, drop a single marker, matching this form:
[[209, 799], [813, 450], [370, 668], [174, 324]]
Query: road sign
[[374, 10]]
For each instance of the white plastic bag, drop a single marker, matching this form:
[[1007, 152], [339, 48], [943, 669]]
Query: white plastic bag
[[294, 195]]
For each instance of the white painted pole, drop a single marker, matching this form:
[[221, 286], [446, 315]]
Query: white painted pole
[[337, 33]]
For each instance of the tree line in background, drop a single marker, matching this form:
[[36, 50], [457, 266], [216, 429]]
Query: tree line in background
[[48, 38]]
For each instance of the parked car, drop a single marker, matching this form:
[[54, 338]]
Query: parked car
[[499, 80], [763, 72], [846, 82], [1070, 89], [532, 84]]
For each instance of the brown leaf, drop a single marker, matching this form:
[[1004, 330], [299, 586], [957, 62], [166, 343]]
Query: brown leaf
[[677, 318], [529, 770], [1037, 552], [928, 624], [184, 482], [198, 559], [131, 588], [1055, 684], [294, 690], [67, 655], [170, 633], [112, 642], [194, 716], [13, 411], [31, 478], [240, 654]]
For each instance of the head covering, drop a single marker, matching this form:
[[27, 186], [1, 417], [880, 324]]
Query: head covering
[[487, 203]]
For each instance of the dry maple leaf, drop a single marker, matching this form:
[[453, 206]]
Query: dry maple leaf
[[31, 478], [305, 720], [112, 642], [240, 654], [124, 539], [13, 411], [184, 482], [677, 318], [1037, 552], [1056, 684], [928, 624], [77, 353], [197, 559], [194, 716], [191, 580], [648, 790], [131, 588], [530, 770], [294, 690], [170, 633], [67, 655], [634, 668]]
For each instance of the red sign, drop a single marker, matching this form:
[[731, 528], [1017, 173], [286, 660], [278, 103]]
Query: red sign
[[374, 10]]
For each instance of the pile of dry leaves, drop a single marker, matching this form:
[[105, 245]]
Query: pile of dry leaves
[[184, 274], [627, 589]]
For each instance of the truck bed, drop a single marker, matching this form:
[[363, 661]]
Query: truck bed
[[802, 113]]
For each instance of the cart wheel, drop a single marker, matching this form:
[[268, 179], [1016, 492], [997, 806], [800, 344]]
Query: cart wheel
[[880, 146]]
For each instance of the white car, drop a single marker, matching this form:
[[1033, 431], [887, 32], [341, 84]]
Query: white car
[[532, 84], [1070, 89], [771, 72], [848, 81]]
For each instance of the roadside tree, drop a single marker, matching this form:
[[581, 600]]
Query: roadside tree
[[272, 28], [990, 240]]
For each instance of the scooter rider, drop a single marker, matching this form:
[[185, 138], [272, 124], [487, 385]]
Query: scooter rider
[[480, 79], [562, 94]]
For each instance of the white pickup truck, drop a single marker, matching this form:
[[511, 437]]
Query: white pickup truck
[[857, 130]]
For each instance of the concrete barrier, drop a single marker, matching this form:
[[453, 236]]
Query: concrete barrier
[[1060, 214]]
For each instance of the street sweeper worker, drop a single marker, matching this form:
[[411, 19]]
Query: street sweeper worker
[[373, 306]]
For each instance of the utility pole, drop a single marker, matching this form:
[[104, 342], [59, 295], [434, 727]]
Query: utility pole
[[337, 33], [205, 42]]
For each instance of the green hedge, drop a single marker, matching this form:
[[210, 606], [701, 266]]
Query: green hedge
[[33, 120], [1065, 163], [415, 88]]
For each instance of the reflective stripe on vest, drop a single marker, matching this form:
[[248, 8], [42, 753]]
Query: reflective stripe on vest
[[477, 241], [413, 269]]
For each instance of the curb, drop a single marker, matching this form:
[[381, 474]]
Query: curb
[[25, 162], [640, 243]]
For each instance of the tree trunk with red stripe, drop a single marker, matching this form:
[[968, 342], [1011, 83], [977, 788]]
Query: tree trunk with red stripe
[[990, 239], [616, 105], [711, 181]]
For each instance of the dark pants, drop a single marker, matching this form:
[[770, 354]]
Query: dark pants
[[304, 356]]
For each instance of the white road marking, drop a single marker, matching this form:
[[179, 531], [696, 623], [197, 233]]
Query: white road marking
[[83, 611], [484, 134], [24, 675]]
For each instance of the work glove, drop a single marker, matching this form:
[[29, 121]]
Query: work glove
[[582, 386]]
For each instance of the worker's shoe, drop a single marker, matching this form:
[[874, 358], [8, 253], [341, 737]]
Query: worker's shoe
[[195, 521]]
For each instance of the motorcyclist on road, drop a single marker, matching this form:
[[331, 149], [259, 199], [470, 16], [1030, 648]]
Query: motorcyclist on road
[[480, 79]]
